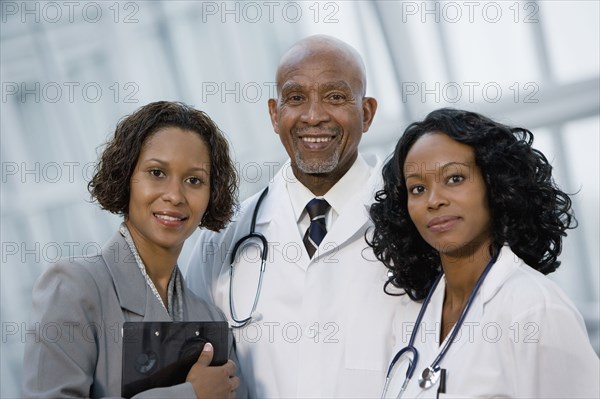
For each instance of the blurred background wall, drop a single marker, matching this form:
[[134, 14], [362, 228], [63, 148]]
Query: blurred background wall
[[71, 70]]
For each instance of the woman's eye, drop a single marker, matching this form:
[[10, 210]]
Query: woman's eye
[[414, 190], [195, 181], [156, 172], [455, 179]]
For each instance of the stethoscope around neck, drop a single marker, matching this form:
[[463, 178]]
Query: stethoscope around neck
[[431, 374], [264, 248]]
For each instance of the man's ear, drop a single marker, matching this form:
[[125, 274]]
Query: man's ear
[[273, 113], [369, 105]]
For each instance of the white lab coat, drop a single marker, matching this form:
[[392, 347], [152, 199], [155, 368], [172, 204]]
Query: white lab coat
[[325, 326], [522, 338]]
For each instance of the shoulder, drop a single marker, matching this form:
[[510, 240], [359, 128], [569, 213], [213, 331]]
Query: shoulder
[[81, 273], [239, 225], [531, 287], [68, 290], [538, 293], [529, 294], [212, 250], [86, 279]]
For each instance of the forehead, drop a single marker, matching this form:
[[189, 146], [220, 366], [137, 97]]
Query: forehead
[[320, 70], [437, 149], [167, 141]]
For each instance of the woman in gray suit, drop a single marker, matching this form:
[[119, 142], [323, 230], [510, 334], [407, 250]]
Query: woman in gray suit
[[167, 171]]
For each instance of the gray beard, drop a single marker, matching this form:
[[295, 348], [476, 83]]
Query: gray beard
[[317, 167]]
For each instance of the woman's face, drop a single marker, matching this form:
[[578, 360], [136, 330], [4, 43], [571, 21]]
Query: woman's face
[[170, 189], [447, 198]]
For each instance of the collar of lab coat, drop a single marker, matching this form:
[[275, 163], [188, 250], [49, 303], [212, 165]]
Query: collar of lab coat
[[130, 285], [349, 223], [506, 264], [337, 196]]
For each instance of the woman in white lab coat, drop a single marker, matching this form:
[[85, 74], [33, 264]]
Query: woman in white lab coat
[[468, 223]]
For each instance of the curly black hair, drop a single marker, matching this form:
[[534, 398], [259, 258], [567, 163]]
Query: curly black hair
[[110, 183], [529, 212]]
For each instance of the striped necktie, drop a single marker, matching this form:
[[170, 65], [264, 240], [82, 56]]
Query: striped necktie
[[316, 208]]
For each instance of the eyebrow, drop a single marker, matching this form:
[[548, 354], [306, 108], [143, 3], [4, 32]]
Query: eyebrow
[[291, 86], [442, 169], [192, 169], [446, 166]]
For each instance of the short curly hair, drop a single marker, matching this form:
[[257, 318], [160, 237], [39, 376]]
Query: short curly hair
[[529, 212], [110, 184]]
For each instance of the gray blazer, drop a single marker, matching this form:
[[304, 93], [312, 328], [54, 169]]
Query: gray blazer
[[79, 307]]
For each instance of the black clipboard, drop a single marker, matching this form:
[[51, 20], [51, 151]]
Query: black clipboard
[[160, 354]]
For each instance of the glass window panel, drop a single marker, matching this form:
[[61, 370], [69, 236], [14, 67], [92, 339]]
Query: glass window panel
[[582, 147], [428, 52], [572, 37], [497, 46]]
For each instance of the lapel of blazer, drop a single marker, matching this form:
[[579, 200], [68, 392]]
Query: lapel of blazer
[[128, 281]]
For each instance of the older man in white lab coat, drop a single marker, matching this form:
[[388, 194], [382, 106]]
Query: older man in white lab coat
[[321, 326]]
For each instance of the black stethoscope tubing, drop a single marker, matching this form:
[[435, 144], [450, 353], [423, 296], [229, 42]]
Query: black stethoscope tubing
[[435, 365], [264, 253]]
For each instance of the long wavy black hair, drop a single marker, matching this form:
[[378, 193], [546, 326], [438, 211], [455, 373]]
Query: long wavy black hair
[[529, 212]]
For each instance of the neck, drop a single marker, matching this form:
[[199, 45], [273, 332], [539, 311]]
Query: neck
[[462, 270], [462, 273], [159, 261], [318, 184], [159, 274]]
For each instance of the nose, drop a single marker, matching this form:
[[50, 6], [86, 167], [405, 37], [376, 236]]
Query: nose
[[314, 113], [436, 198], [173, 192]]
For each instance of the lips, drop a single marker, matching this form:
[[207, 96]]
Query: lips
[[316, 138], [442, 223], [170, 219]]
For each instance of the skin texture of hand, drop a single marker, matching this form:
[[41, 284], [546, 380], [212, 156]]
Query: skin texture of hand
[[213, 382]]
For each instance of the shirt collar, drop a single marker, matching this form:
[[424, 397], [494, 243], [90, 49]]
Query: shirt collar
[[337, 196], [506, 265]]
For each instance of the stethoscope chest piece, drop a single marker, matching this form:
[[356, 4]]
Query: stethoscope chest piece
[[429, 377]]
